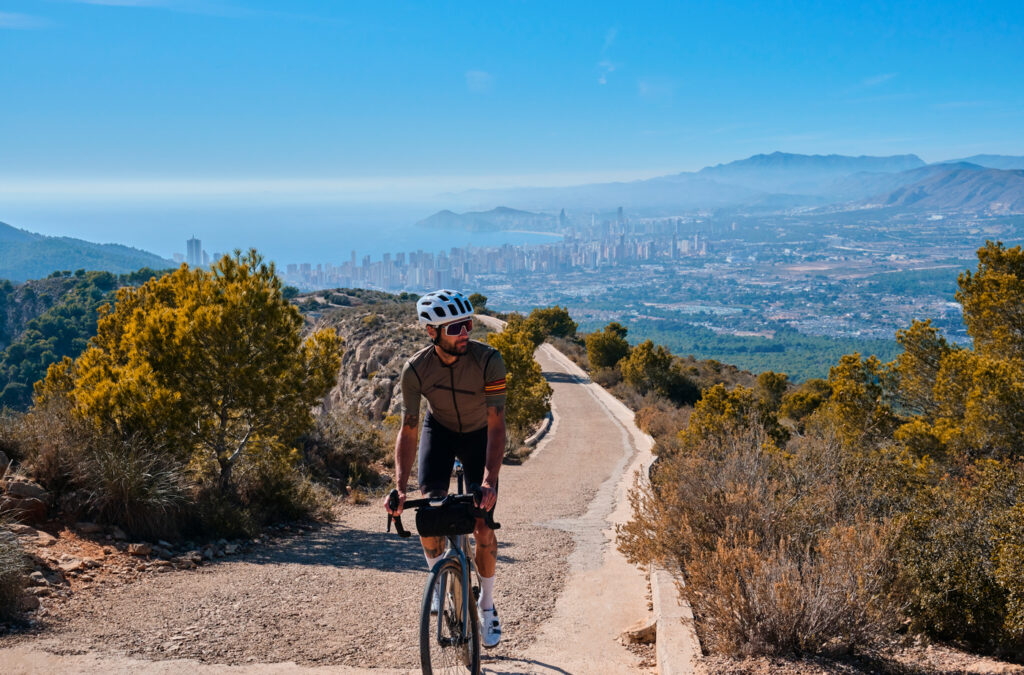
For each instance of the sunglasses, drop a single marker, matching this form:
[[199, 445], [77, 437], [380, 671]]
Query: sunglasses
[[455, 328]]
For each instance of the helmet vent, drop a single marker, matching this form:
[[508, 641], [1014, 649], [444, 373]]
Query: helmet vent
[[462, 308], [425, 315], [451, 308], [440, 312], [443, 297]]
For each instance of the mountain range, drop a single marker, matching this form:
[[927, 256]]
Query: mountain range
[[25, 255], [992, 184]]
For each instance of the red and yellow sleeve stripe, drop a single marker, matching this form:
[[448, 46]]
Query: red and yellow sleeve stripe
[[496, 387]]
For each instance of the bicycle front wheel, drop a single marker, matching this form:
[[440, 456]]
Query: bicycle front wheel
[[449, 641]]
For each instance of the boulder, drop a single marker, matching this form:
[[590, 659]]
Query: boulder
[[644, 632], [73, 565], [88, 528], [19, 528], [45, 539], [140, 549], [29, 603], [25, 489], [24, 510], [118, 533]]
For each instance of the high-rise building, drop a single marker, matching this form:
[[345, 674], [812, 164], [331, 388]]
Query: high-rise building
[[194, 257]]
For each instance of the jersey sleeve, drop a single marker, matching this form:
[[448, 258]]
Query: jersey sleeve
[[411, 391], [494, 380]]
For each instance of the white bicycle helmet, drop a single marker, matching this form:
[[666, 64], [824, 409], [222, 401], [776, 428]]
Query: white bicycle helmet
[[441, 307]]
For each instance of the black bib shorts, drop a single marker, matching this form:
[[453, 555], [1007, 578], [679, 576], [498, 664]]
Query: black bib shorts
[[439, 446]]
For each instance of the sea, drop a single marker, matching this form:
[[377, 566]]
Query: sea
[[284, 232]]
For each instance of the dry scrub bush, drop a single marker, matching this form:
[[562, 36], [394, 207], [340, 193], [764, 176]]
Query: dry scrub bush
[[272, 488], [345, 448], [774, 558], [662, 420], [135, 486], [14, 567], [12, 431], [573, 348]]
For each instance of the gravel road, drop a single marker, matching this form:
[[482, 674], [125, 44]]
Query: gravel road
[[345, 597]]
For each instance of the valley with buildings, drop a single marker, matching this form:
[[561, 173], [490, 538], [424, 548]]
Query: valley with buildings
[[741, 286]]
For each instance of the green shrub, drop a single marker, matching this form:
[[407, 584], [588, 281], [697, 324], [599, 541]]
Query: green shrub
[[217, 515], [553, 322], [957, 545], [608, 347]]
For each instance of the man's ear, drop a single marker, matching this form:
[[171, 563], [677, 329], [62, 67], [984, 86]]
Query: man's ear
[[432, 332]]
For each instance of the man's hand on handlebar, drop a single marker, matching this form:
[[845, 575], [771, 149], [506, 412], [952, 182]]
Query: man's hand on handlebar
[[488, 497], [389, 502]]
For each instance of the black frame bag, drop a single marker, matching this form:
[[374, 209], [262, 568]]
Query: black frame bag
[[451, 519]]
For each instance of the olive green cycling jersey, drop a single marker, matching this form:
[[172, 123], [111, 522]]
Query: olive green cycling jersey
[[457, 395]]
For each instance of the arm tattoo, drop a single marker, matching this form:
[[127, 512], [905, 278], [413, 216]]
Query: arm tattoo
[[411, 420]]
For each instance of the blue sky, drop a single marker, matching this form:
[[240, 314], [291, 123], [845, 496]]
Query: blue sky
[[217, 95]]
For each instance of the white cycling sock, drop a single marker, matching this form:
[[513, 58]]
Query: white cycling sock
[[486, 592], [431, 561]]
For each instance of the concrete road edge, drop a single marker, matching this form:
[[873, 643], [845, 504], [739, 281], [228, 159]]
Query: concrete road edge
[[677, 646]]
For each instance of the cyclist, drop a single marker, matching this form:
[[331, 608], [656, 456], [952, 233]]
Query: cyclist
[[464, 383]]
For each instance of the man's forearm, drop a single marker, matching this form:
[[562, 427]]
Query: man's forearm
[[405, 453], [495, 454]]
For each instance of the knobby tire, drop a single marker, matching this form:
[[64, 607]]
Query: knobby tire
[[436, 658]]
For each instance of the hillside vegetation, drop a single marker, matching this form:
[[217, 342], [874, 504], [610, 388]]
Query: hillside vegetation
[[43, 321], [26, 255], [886, 500]]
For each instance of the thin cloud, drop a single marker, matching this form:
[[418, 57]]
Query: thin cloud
[[609, 39], [876, 80], [479, 81], [655, 88], [604, 69], [605, 66], [12, 21]]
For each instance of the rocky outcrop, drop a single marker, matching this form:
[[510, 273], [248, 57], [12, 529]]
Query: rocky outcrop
[[378, 340], [23, 500]]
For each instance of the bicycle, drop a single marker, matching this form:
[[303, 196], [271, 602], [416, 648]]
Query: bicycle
[[449, 643]]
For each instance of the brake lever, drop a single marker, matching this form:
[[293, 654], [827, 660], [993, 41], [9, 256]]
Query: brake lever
[[478, 494], [393, 504]]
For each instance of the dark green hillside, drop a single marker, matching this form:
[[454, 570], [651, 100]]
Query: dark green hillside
[[43, 321], [26, 255]]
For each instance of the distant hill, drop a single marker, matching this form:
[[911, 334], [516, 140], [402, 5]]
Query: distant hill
[[26, 255], [1005, 162], [959, 187], [774, 181], [782, 172], [495, 220]]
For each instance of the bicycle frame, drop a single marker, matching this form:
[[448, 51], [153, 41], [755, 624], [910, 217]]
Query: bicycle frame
[[458, 547]]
